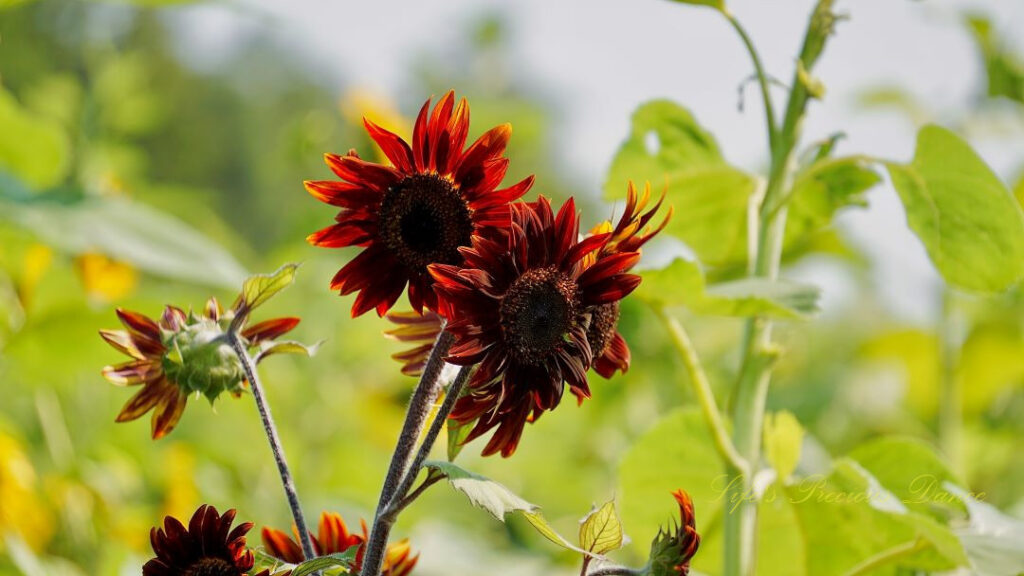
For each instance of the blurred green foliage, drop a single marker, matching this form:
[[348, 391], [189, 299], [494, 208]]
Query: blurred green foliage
[[112, 144]]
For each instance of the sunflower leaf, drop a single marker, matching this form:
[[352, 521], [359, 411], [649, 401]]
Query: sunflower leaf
[[259, 288], [124, 230], [457, 434], [482, 492], [967, 219], [499, 501], [343, 559], [681, 283], [666, 146], [601, 529], [287, 347]]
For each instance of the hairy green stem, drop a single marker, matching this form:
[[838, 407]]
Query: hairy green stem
[[888, 556], [249, 367], [702, 390], [423, 397], [440, 419]]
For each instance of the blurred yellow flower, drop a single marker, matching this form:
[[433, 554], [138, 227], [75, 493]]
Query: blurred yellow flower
[[105, 279], [181, 494], [21, 510], [37, 260], [359, 103]]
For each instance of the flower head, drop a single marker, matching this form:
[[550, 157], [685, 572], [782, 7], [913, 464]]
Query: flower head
[[672, 550], [180, 354], [519, 307], [611, 353], [434, 198], [335, 537], [208, 547]]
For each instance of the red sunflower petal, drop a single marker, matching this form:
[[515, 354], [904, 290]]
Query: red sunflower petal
[[394, 147], [354, 169], [343, 194], [342, 235], [269, 329]]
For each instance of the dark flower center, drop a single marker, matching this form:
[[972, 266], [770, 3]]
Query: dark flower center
[[537, 313], [212, 567], [604, 319], [424, 220]]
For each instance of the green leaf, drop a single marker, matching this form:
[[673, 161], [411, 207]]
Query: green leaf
[[677, 452], [850, 517], [34, 148], [991, 539], [482, 492], [457, 434], [541, 525], [910, 469], [286, 347], [968, 221], [681, 283], [666, 146], [783, 437], [498, 500], [601, 529], [822, 189], [259, 288], [990, 363], [1004, 69], [130, 232], [343, 559]]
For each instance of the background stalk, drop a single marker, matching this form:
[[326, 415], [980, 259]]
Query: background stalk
[[759, 352], [423, 397], [275, 442]]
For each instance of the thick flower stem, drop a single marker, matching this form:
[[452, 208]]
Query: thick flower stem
[[423, 398], [440, 419], [275, 442]]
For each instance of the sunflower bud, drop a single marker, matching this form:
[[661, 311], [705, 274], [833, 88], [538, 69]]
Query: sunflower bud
[[183, 354], [672, 550], [199, 359]]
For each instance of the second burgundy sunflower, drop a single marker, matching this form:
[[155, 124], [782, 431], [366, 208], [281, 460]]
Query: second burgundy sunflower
[[521, 309], [433, 199]]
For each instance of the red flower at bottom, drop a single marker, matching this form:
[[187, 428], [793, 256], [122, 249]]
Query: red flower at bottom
[[672, 551], [334, 537], [208, 547]]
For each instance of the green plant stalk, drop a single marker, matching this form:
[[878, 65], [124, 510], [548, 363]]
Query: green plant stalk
[[423, 397], [759, 353], [702, 390], [238, 345]]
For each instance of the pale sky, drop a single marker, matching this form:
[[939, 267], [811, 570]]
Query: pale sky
[[596, 60]]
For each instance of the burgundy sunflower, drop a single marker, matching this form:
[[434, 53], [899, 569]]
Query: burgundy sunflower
[[672, 550], [434, 198], [208, 547], [519, 308], [178, 355], [611, 353], [335, 537]]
